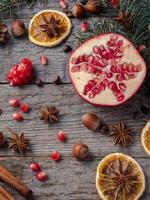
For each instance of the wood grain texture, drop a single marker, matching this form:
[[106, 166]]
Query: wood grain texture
[[69, 179]]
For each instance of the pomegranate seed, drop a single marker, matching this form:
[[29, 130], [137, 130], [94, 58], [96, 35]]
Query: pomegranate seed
[[109, 75], [114, 3], [121, 97], [96, 49], [61, 136], [41, 176], [120, 77], [113, 69], [141, 48], [55, 155], [120, 43], [17, 116], [112, 85], [63, 4], [122, 86], [24, 107], [116, 92], [14, 102], [84, 26], [44, 60], [35, 167]]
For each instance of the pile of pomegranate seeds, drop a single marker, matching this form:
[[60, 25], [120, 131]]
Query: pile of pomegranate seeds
[[20, 74], [40, 175], [108, 71], [24, 107]]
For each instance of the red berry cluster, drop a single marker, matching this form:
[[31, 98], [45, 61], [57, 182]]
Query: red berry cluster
[[24, 107]]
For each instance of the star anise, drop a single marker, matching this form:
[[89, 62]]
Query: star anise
[[121, 179], [18, 142], [49, 114], [51, 26], [121, 134]]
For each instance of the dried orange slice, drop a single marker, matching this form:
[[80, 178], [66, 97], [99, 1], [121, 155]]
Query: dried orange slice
[[48, 28], [119, 177], [145, 137]]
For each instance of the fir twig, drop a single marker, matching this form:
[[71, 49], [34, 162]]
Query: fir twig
[[106, 25]]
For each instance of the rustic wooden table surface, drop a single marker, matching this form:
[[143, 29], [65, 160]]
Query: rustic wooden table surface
[[69, 179]]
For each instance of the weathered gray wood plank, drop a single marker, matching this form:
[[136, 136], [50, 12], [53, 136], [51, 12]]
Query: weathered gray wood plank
[[68, 180], [43, 136]]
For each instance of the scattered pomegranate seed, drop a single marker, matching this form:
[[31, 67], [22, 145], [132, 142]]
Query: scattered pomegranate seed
[[61, 136], [63, 4], [42, 176], [17, 116], [35, 167], [141, 48], [55, 155], [24, 107], [44, 60], [14, 102], [114, 3], [84, 26]]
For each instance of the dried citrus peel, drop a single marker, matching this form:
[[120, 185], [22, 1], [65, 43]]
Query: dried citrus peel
[[119, 177], [145, 138], [48, 28]]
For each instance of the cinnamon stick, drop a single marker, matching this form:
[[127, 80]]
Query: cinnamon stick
[[9, 178], [4, 195]]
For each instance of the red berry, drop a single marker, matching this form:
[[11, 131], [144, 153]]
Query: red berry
[[84, 26], [114, 3], [44, 60], [35, 167], [20, 74], [17, 116], [24, 107], [55, 155], [41, 176], [61, 136], [14, 102], [63, 3]]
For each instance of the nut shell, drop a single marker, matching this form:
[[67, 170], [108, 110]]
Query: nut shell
[[80, 151], [18, 28], [92, 6], [91, 121], [79, 11]]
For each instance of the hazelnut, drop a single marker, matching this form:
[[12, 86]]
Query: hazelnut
[[80, 151], [18, 28], [92, 6], [91, 121], [79, 11], [2, 139]]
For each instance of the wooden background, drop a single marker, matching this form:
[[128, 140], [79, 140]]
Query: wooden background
[[69, 179]]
